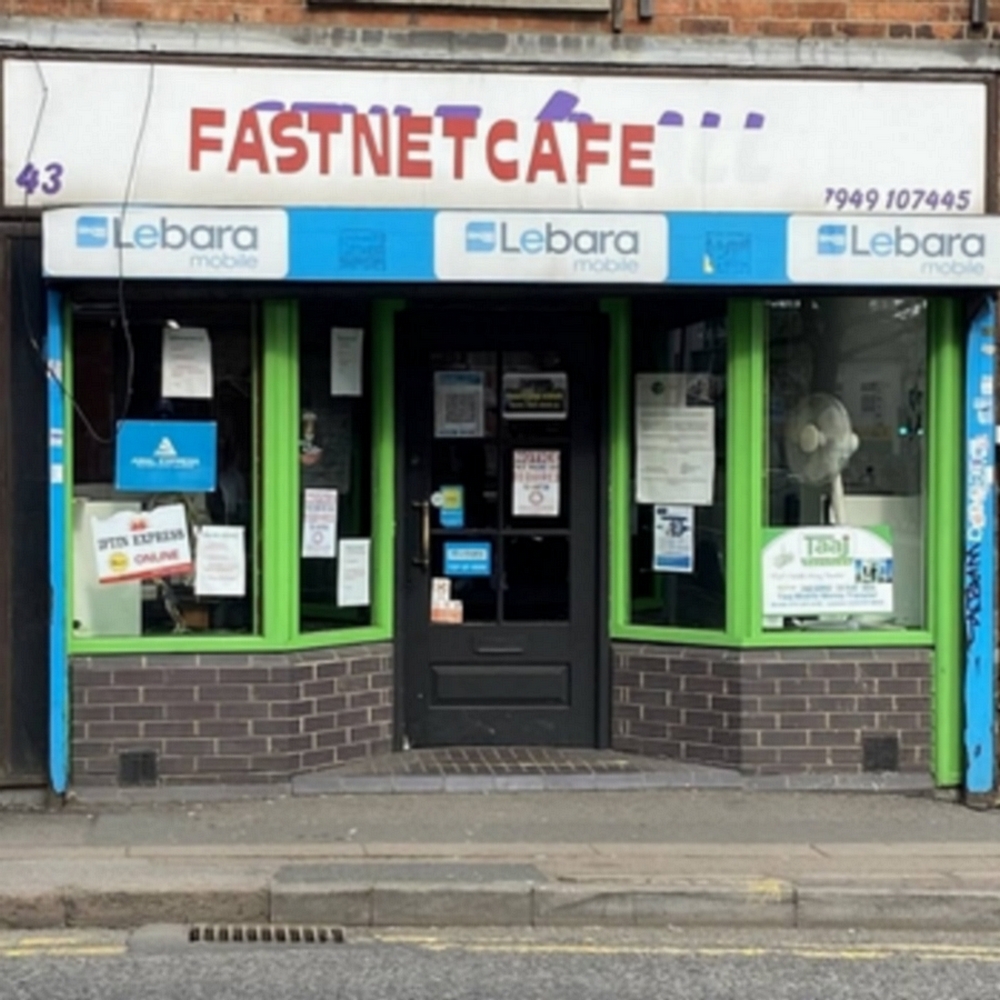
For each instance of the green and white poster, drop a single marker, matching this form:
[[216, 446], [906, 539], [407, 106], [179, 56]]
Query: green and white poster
[[827, 570]]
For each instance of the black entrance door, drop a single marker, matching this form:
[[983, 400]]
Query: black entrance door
[[501, 412]]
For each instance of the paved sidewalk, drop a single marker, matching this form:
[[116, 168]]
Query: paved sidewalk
[[638, 858]]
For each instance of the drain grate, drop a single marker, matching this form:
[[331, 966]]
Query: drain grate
[[264, 934]]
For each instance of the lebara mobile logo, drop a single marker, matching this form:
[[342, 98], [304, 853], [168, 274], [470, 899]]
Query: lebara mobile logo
[[154, 242], [551, 246], [480, 237], [911, 250], [831, 241], [92, 231]]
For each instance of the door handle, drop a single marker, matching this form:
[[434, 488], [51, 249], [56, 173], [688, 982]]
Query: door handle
[[423, 558], [499, 650]]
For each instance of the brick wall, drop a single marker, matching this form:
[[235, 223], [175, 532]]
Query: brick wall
[[890, 19], [769, 711], [227, 718]]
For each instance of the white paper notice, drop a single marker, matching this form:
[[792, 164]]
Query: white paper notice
[[319, 524], [459, 404], [187, 364], [675, 450], [353, 573], [536, 483], [220, 562], [673, 538], [346, 352]]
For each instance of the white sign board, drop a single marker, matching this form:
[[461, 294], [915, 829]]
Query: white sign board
[[354, 573], [186, 371], [536, 483], [675, 445], [924, 250], [673, 538], [141, 242], [586, 247], [836, 570], [258, 135], [142, 545], [220, 561], [319, 524]]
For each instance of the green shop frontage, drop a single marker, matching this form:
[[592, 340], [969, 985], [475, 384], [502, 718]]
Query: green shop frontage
[[605, 427]]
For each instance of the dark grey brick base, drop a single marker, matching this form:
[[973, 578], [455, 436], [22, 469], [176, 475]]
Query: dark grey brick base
[[771, 711], [231, 718]]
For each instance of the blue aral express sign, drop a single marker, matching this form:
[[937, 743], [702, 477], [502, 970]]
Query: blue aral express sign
[[177, 456]]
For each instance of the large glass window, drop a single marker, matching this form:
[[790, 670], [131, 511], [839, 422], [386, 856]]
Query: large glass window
[[846, 464], [678, 489], [335, 476], [165, 460]]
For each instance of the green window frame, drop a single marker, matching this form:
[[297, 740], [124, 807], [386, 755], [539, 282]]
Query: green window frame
[[277, 487], [746, 398]]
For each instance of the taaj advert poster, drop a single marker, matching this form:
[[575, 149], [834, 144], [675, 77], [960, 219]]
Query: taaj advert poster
[[827, 570]]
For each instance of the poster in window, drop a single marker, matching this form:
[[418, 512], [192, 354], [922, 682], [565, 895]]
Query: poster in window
[[220, 561], [536, 483], [459, 404], [673, 538], [319, 524], [142, 545], [353, 573], [827, 570], [346, 358], [535, 395], [186, 371], [674, 444]]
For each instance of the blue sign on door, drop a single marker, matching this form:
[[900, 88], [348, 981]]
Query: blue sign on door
[[468, 558], [177, 456]]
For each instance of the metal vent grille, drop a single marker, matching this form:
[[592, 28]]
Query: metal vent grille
[[264, 934]]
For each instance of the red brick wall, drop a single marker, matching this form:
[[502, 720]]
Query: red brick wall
[[896, 19], [771, 711], [231, 718]]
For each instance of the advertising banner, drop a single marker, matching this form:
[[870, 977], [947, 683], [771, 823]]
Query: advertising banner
[[827, 570], [272, 136], [159, 456], [142, 545]]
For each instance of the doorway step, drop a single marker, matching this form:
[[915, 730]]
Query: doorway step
[[531, 768]]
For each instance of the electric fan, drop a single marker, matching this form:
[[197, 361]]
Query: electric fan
[[819, 443]]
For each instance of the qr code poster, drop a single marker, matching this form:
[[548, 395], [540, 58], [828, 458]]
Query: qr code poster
[[459, 404]]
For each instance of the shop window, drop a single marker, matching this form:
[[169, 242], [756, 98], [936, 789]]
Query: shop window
[[165, 459], [678, 489], [335, 474], [846, 464]]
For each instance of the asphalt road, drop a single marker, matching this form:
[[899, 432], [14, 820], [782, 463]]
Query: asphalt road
[[667, 965]]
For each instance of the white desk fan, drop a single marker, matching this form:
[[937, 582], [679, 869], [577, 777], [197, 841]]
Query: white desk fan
[[819, 443]]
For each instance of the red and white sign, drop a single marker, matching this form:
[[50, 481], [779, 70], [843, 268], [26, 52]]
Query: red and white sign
[[536, 483], [260, 136], [142, 545]]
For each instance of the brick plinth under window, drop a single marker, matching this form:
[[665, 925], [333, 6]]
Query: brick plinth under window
[[771, 711], [226, 718]]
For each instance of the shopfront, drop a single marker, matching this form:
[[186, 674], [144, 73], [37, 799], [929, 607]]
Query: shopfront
[[571, 414]]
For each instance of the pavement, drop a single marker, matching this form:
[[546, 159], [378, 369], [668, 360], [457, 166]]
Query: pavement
[[623, 859]]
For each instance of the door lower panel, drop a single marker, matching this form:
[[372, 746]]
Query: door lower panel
[[501, 684]]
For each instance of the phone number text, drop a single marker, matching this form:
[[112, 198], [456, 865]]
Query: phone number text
[[897, 200]]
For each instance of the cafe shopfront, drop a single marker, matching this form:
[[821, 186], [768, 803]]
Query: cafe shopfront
[[411, 409]]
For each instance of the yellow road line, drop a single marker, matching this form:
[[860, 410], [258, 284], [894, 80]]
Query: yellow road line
[[870, 952], [69, 950]]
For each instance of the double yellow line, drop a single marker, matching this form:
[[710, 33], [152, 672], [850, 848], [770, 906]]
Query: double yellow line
[[860, 952], [62, 946]]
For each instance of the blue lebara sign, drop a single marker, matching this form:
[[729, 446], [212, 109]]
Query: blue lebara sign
[[176, 456]]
